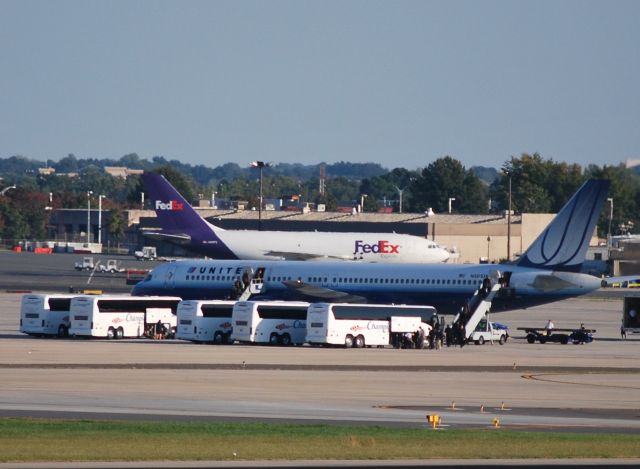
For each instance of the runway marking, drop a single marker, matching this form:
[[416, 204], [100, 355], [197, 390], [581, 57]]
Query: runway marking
[[544, 378]]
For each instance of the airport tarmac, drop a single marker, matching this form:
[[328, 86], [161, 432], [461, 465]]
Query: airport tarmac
[[592, 387]]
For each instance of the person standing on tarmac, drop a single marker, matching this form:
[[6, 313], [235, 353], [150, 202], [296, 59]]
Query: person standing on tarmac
[[549, 327]]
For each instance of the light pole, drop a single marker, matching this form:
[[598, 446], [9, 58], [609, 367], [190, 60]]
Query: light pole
[[362, 197], [260, 165], [610, 200], [451, 199], [488, 246], [89, 217], [400, 191], [509, 223], [100, 197]]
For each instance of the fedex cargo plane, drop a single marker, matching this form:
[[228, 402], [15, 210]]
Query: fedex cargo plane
[[181, 224], [548, 271]]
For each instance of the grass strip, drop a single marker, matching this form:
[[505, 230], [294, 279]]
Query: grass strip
[[30, 440]]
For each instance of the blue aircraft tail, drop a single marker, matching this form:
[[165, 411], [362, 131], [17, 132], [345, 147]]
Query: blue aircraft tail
[[562, 246], [180, 223]]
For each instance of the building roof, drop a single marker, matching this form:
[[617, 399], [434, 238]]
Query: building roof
[[496, 219]]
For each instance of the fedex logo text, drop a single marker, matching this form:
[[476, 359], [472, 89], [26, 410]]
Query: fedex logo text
[[171, 205], [381, 247]]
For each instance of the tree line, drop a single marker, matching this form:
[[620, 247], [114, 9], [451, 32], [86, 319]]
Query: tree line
[[538, 185]]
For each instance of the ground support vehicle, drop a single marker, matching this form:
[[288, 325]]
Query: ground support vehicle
[[112, 266], [85, 264], [487, 331], [45, 315], [205, 321], [120, 316], [269, 322], [630, 315], [363, 325], [148, 253], [562, 336]]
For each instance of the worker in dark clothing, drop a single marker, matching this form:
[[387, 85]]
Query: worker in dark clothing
[[159, 330]]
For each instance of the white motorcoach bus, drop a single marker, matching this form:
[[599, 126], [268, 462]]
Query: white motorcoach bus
[[361, 325], [272, 322], [45, 314], [205, 321], [119, 316]]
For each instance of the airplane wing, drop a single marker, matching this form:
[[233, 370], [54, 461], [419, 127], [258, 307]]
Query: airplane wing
[[302, 256], [322, 294], [178, 238]]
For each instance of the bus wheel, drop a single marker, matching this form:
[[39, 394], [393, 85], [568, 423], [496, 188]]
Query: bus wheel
[[111, 333], [274, 339], [119, 333], [348, 341], [62, 331], [217, 338], [227, 339], [286, 340], [358, 342]]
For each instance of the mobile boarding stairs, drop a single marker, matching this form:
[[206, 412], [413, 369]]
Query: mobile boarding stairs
[[480, 303]]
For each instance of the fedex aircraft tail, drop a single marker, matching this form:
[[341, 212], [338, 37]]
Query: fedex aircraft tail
[[562, 246], [180, 223]]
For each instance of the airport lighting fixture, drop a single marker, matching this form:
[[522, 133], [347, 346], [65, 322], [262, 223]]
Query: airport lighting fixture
[[89, 217], [100, 197], [260, 165]]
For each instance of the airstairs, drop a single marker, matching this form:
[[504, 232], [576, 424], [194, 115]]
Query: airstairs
[[480, 303], [255, 287], [249, 287]]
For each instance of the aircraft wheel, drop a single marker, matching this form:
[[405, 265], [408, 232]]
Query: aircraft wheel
[[358, 342], [348, 341]]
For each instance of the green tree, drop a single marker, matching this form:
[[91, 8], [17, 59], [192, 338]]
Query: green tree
[[116, 224], [181, 182], [625, 195], [447, 178]]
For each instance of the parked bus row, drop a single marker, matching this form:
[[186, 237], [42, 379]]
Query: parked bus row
[[225, 322]]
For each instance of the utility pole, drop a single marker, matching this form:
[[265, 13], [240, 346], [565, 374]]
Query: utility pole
[[260, 165]]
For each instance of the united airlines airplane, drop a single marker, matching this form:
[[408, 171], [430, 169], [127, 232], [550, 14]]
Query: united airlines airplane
[[182, 225], [548, 271]]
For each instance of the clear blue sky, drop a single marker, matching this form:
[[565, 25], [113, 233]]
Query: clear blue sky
[[400, 83]]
